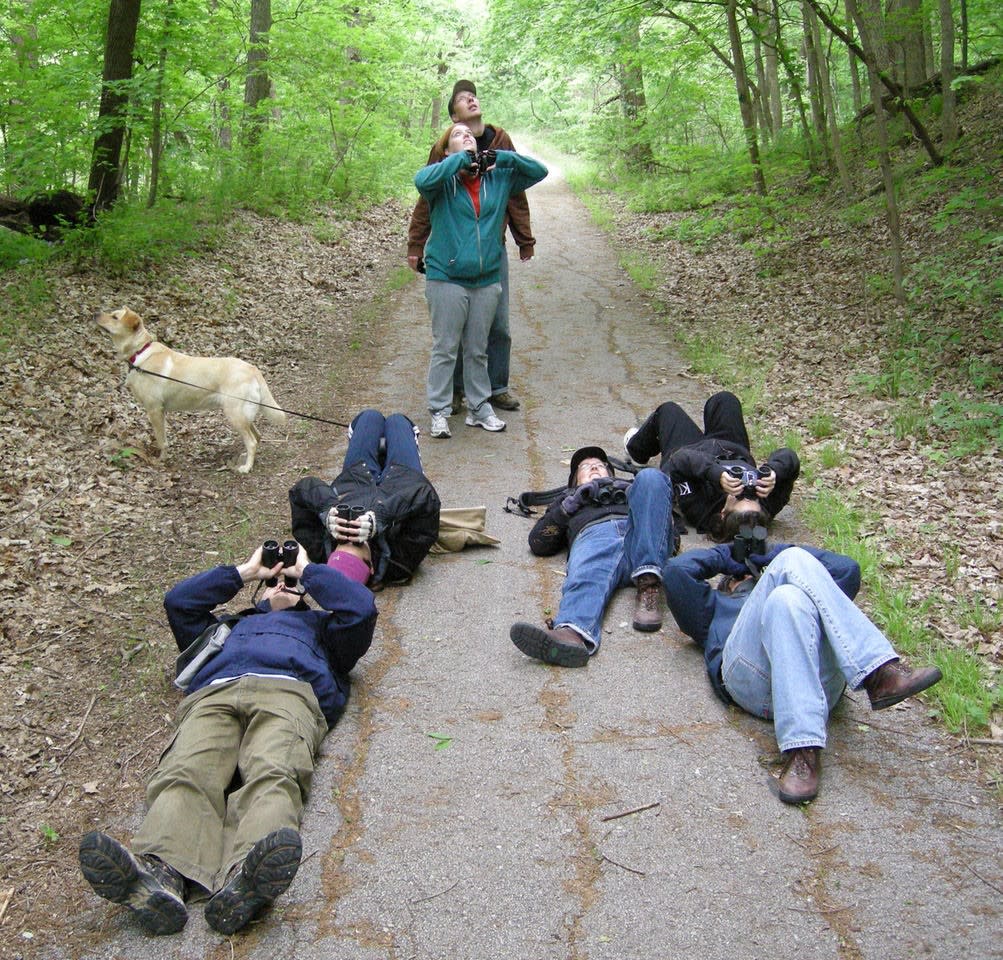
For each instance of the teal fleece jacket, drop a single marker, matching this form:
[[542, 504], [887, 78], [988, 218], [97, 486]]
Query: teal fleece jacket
[[463, 247]]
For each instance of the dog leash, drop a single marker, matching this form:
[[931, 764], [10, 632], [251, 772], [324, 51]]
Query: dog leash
[[270, 406]]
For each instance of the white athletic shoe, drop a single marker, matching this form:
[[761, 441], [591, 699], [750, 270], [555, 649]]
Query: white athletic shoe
[[627, 437], [440, 427], [491, 423]]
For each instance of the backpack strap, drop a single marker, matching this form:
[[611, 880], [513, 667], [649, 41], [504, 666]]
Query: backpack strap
[[524, 503]]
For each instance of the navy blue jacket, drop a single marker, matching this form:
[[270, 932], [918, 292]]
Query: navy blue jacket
[[707, 615], [318, 647]]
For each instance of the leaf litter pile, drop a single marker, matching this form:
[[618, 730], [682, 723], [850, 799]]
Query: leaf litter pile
[[93, 529]]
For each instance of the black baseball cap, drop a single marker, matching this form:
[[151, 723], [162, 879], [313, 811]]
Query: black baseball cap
[[461, 86], [585, 453]]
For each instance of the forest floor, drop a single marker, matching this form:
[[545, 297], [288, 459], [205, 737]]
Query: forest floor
[[92, 527]]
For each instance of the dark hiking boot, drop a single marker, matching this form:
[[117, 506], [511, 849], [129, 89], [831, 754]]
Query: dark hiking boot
[[892, 682], [799, 777], [152, 889], [504, 401], [266, 872], [648, 605], [562, 647]]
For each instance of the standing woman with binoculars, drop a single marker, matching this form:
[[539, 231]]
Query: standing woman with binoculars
[[467, 194]]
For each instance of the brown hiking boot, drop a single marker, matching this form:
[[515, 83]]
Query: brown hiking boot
[[561, 646], [648, 606], [799, 777], [457, 405], [892, 682]]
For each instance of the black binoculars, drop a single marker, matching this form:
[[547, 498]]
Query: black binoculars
[[749, 478], [749, 541], [345, 512], [271, 554]]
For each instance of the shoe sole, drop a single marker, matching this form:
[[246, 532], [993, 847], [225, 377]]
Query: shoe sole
[[440, 436], [265, 874], [480, 423], [885, 702], [113, 875], [537, 643], [647, 627], [796, 798]]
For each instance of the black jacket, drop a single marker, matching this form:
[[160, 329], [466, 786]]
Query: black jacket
[[696, 477], [556, 530], [407, 515]]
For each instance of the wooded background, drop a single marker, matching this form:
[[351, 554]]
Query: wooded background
[[140, 99]]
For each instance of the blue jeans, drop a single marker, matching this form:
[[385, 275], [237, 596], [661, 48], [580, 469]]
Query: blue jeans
[[499, 341], [612, 553], [797, 642], [369, 428]]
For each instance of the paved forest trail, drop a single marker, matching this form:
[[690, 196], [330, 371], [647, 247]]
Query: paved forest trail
[[466, 807]]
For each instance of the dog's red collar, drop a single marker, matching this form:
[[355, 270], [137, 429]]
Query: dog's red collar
[[132, 360]]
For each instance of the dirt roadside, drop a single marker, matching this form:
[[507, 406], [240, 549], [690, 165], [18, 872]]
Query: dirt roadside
[[496, 844]]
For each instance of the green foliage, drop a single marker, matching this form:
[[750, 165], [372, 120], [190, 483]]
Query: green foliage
[[17, 249], [49, 835], [641, 270], [26, 297], [122, 458], [130, 238], [971, 425], [832, 455], [821, 425]]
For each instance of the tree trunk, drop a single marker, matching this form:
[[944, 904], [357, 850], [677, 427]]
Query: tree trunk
[[814, 88], [830, 106], [763, 116], [258, 84], [156, 131], [776, 105], [744, 103], [858, 100], [869, 25], [633, 103], [948, 116], [868, 55], [964, 35], [794, 80], [103, 185], [904, 33]]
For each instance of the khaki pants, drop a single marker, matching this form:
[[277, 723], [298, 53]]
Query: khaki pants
[[257, 734]]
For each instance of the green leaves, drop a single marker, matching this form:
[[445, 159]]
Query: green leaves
[[442, 742]]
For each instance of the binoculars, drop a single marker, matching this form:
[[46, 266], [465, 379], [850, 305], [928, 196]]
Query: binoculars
[[749, 478], [271, 554]]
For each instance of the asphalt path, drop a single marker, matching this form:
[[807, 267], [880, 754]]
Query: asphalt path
[[476, 804]]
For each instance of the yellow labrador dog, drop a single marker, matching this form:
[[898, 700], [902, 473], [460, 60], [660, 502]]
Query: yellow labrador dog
[[234, 386]]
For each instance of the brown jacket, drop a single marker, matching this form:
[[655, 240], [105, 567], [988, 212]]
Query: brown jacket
[[516, 216]]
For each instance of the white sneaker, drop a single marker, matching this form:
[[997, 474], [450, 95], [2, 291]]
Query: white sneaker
[[491, 423], [440, 427], [627, 437]]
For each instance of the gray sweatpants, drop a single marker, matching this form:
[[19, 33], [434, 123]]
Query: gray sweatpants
[[461, 317]]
